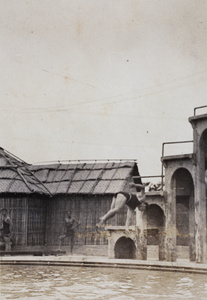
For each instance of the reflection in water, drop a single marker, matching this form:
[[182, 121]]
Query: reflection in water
[[40, 282]]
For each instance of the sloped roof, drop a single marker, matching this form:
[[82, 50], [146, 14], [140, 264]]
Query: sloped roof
[[15, 176], [85, 178], [108, 177]]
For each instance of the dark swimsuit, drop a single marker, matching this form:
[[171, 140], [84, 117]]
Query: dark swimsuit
[[6, 229], [69, 228], [132, 200]]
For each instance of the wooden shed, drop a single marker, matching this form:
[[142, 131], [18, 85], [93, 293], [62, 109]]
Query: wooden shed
[[85, 189], [37, 197], [23, 195]]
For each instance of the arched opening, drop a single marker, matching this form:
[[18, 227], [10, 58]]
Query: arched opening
[[203, 150], [185, 215], [125, 248], [155, 222], [155, 230]]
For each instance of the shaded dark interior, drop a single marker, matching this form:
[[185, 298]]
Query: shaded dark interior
[[125, 248]]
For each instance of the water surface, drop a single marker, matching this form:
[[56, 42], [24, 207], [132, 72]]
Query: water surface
[[42, 282]]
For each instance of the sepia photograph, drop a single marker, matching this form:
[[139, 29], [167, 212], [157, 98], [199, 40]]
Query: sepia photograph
[[103, 149]]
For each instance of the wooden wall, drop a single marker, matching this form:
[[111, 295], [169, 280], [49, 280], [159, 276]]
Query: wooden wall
[[17, 209], [38, 220], [28, 215], [86, 210], [36, 226]]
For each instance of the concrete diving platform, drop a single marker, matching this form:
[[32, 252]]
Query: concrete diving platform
[[126, 244]]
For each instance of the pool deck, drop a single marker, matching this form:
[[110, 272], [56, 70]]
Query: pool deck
[[104, 262]]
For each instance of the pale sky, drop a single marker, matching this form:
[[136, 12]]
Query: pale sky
[[100, 79]]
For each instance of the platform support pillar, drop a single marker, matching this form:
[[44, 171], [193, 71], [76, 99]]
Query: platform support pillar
[[141, 234]]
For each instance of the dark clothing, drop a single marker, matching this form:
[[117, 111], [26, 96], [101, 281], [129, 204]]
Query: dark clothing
[[132, 200], [6, 228], [68, 230]]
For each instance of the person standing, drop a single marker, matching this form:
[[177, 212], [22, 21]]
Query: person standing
[[6, 229], [68, 231]]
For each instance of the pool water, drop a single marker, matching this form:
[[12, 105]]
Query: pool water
[[42, 282]]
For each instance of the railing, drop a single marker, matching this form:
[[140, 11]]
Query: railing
[[168, 143], [199, 107]]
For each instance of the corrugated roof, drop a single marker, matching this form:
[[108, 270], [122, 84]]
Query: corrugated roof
[[16, 176], [98, 178]]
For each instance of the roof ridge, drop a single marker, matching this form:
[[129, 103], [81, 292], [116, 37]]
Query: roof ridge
[[8, 155], [81, 161]]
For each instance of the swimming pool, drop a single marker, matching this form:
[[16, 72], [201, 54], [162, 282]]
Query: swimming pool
[[46, 282]]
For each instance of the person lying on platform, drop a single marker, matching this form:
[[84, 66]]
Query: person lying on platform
[[6, 229], [131, 200], [68, 231]]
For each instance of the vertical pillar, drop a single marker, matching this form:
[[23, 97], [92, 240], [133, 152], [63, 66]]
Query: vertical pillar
[[199, 124], [192, 254], [162, 244], [200, 209], [111, 245], [170, 241], [141, 234]]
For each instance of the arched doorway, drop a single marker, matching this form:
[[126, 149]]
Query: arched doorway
[[203, 151], [203, 166], [155, 228], [185, 215], [125, 248]]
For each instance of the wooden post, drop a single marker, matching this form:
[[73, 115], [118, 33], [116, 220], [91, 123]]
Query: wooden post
[[24, 222], [141, 234], [47, 222]]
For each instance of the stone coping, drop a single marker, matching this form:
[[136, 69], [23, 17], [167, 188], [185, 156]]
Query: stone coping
[[177, 157], [90, 261], [197, 117], [119, 228]]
